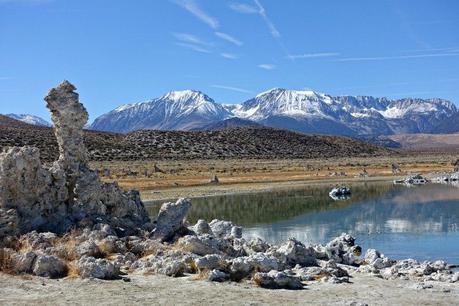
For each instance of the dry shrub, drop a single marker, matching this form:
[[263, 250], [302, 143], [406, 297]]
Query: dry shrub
[[72, 270], [153, 248], [203, 275], [69, 242], [320, 276], [6, 260]]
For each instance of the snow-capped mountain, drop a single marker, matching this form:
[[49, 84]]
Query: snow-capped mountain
[[176, 110], [304, 111], [312, 112], [30, 119]]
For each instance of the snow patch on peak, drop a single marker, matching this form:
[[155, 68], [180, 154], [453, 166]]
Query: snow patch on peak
[[186, 95], [30, 119]]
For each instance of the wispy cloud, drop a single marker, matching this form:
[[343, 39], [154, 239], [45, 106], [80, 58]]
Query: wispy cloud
[[229, 55], [192, 7], [193, 47], [4, 78], [272, 28], [267, 66], [243, 8], [229, 38], [396, 57], [237, 89], [424, 50], [191, 39], [313, 55]]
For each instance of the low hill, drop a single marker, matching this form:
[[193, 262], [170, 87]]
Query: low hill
[[10, 122], [229, 123], [243, 142], [427, 142]]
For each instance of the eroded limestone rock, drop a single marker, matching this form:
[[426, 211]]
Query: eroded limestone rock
[[277, 280], [68, 194], [90, 267], [49, 266], [171, 219]]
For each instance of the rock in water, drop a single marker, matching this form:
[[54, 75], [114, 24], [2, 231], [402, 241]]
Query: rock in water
[[171, 219], [68, 194]]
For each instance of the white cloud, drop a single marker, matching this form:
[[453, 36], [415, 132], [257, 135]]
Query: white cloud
[[244, 8], [4, 78], [267, 66], [313, 55], [193, 47], [237, 89], [229, 38], [191, 39], [229, 55], [396, 57], [272, 28], [193, 8]]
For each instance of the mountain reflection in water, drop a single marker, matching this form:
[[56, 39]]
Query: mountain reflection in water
[[420, 222]]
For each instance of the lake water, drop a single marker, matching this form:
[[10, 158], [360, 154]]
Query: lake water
[[418, 222]]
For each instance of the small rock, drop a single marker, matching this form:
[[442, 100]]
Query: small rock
[[49, 266], [218, 276], [195, 245], [87, 248], [277, 280], [291, 253], [90, 267], [202, 227], [221, 229], [209, 262], [23, 263]]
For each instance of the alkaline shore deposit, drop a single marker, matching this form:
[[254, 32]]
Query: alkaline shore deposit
[[63, 221]]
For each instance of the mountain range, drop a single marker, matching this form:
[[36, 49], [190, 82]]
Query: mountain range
[[303, 111], [30, 119]]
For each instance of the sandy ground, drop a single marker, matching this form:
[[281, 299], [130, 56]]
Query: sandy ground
[[162, 290]]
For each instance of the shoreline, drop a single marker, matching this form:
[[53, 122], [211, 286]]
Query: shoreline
[[210, 190]]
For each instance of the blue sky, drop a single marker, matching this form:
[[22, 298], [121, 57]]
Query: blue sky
[[118, 52]]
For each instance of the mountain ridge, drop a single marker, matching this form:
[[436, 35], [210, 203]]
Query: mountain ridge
[[29, 119], [299, 110]]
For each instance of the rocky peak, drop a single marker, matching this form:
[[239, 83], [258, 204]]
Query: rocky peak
[[186, 96]]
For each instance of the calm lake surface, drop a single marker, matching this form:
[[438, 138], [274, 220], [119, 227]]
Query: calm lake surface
[[418, 222]]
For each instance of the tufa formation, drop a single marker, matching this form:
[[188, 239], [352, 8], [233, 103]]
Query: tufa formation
[[68, 194]]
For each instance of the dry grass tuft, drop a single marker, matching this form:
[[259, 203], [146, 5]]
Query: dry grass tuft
[[6, 260], [203, 275], [72, 270]]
